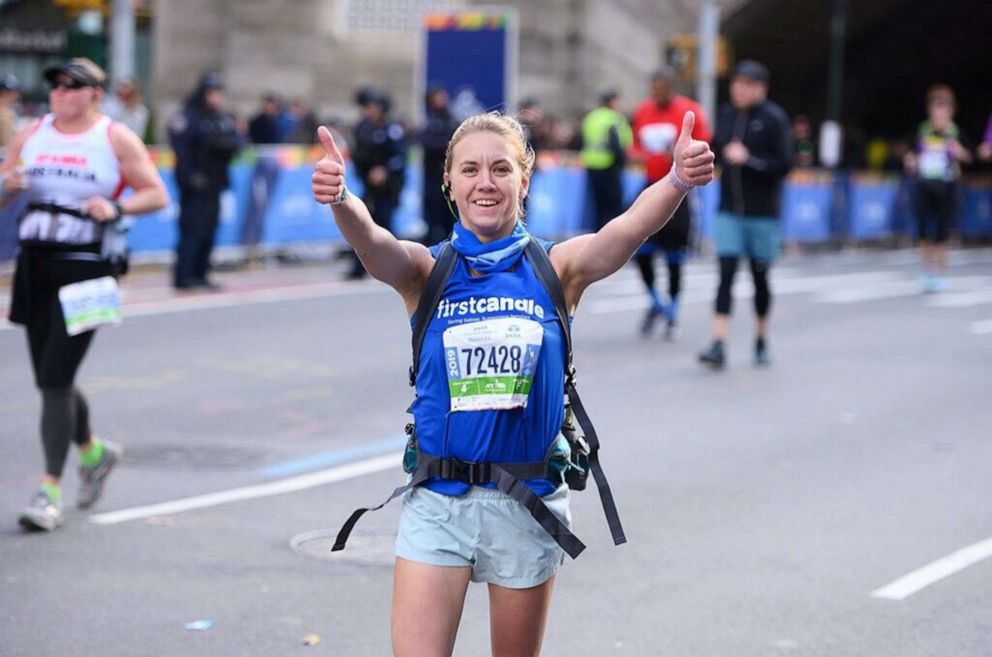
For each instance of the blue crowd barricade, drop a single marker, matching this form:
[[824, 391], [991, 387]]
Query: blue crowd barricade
[[817, 206], [871, 206], [9, 215], [976, 221], [807, 202], [557, 202]]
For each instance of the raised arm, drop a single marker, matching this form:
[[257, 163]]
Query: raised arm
[[585, 259], [402, 265]]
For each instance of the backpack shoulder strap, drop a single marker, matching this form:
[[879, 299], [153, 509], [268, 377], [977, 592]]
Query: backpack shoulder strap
[[444, 265], [545, 272]]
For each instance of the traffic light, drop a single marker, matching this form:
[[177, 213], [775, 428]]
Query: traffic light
[[682, 54]]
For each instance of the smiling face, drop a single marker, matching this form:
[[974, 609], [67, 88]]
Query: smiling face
[[487, 183]]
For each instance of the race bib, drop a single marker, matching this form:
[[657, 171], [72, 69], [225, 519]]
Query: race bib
[[658, 138], [88, 304], [934, 163], [491, 363]]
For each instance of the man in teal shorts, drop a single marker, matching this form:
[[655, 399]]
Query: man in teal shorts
[[753, 146]]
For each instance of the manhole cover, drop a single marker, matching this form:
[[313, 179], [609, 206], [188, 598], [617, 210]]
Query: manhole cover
[[367, 547], [191, 457]]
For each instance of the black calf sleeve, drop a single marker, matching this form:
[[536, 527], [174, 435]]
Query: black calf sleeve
[[645, 263], [58, 427], [674, 279], [762, 293], [82, 434], [728, 267]]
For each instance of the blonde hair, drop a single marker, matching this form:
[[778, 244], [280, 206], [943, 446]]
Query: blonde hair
[[505, 126]]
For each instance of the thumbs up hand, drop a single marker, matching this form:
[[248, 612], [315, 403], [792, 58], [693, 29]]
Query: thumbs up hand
[[693, 158], [327, 182]]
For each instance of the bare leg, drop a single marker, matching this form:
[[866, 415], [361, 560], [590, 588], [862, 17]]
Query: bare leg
[[940, 258], [518, 618], [720, 323], [427, 607]]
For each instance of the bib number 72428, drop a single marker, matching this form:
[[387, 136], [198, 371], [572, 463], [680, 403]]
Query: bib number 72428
[[491, 363]]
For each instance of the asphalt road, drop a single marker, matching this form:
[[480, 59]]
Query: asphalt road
[[769, 511]]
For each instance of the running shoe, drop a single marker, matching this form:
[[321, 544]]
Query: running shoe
[[761, 356], [42, 514], [653, 315], [927, 284], [671, 320], [92, 480], [714, 357], [939, 284]]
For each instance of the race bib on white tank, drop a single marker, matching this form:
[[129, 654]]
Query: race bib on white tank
[[491, 363]]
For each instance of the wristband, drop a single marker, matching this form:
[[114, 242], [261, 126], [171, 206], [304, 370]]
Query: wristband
[[118, 209], [678, 183], [342, 197]]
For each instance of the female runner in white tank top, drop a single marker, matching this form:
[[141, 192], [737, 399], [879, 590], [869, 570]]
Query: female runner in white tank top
[[72, 165]]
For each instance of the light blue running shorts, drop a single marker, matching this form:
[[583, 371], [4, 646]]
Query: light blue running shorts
[[483, 529], [758, 238]]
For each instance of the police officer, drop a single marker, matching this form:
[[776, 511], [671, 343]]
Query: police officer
[[606, 136], [205, 140], [380, 159]]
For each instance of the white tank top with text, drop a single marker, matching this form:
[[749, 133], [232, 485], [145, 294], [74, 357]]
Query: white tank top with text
[[67, 169]]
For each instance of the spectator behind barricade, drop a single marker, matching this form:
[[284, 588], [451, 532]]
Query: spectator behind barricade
[[935, 162], [127, 107], [205, 139], [263, 128], [606, 136], [803, 146], [304, 123], [537, 131], [10, 92], [379, 154], [985, 148], [536, 126], [876, 153], [439, 126]]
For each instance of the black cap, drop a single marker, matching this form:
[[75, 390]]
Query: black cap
[[752, 70], [211, 81], [608, 96], [80, 69]]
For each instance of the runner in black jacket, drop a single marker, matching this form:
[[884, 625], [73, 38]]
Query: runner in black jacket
[[753, 145]]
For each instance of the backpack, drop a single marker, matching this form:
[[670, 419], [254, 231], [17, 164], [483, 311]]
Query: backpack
[[583, 448]]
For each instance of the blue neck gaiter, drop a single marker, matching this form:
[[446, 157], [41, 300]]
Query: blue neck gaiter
[[499, 255]]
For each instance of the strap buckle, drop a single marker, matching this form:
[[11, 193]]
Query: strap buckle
[[467, 471]]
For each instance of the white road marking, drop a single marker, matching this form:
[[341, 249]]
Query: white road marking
[[290, 485], [932, 573], [982, 327], [962, 299]]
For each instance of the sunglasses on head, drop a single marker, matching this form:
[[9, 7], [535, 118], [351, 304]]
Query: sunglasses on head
[[71, 84]]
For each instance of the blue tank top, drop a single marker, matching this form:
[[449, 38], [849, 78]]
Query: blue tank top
[[520, 434]]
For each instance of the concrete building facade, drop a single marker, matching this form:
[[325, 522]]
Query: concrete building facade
[[321, 50]]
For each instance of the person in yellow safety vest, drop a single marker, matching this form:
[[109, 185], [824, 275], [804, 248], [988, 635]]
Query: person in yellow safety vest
[[606, 136]]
